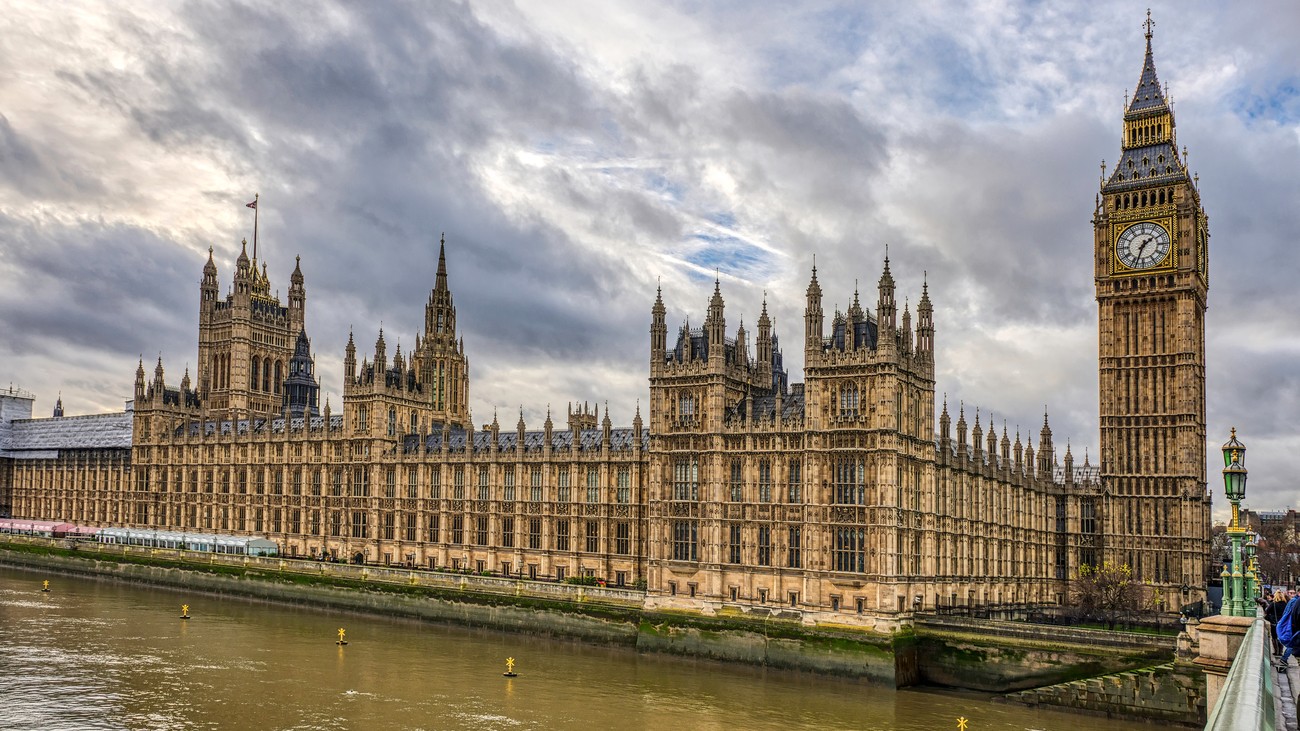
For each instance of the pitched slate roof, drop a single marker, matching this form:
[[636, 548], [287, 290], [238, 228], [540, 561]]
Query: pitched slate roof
[[46, 437], [589, 440]]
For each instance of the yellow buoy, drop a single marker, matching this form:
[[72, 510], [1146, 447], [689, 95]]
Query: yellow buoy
[[342, 641], [185, 611], [47, 585], [510, 668]]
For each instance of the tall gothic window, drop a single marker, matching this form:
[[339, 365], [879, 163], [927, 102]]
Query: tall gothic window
[[850, 553], [623, 538], [563, 482], [737, 480], [764, 545], [624, 494], [794, 491], [686, 480], [850, 481], [685, 540], [849, 400], [686, 406]]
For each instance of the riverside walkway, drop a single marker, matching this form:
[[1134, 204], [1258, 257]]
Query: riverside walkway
[[1254, 695]]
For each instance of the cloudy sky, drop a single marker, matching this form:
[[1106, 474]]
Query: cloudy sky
[[577, 153]]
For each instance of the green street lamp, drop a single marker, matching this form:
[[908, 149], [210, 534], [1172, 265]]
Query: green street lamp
[[1239, 586]]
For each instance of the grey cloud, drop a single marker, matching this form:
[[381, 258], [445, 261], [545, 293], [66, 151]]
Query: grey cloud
[[371, 129], [111, 289], [31, 172]]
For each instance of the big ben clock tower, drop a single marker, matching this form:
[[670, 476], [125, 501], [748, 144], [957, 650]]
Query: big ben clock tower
[[1152, 276]]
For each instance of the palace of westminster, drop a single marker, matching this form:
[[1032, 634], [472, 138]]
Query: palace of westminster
[[839, 497]]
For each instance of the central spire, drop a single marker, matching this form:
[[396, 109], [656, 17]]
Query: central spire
[[440, 283], [1148, 95]]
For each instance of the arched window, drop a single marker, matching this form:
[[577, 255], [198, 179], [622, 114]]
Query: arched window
[[279, 375], [266, 374], [253, 381]]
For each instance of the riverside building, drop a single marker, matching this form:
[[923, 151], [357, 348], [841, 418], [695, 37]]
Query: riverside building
[[838, 498]]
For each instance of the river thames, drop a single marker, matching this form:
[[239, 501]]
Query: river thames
[[103, 655]]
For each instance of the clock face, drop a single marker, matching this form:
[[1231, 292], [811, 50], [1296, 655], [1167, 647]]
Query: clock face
[[1142, 245]]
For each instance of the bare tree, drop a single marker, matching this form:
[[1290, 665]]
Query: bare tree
[[1278, 554], [1107, 593]]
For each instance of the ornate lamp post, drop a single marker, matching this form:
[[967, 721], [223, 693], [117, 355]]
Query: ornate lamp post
[[1238, 586], [1252, 566]]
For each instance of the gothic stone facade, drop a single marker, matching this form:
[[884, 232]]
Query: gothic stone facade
[[836, 498]]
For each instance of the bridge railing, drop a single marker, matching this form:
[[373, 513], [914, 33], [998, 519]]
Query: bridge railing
[[1246, 702]]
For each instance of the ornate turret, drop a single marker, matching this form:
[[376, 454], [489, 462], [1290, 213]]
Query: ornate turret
[[658, 331], [381, 355], [961, 429], [1018, 451], [439, 360], [715, 325], [139, 382], [763, 347], [742, 347], [886, 308], [945, 422], [1046, 456], [637, 426], [58, 407], [855, 316], [350, 360], [297, 292], [208, 288], [906, 330], [1069, 464], [606, 429], [992, 449], [1149, 154], [244, 274], [925, 324], [157, 387], [813, 316], [301, 390]]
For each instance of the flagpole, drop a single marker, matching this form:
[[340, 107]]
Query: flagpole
[[256, 196]]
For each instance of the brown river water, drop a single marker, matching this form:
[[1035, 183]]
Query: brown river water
[[97, 654]]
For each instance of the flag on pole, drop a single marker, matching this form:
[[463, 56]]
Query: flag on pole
[[252, 205]]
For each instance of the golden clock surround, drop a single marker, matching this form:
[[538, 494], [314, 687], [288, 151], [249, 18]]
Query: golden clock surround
[[1120, 225]]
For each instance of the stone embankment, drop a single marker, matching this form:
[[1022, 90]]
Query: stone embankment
[[1172, 692], [972, 654]]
